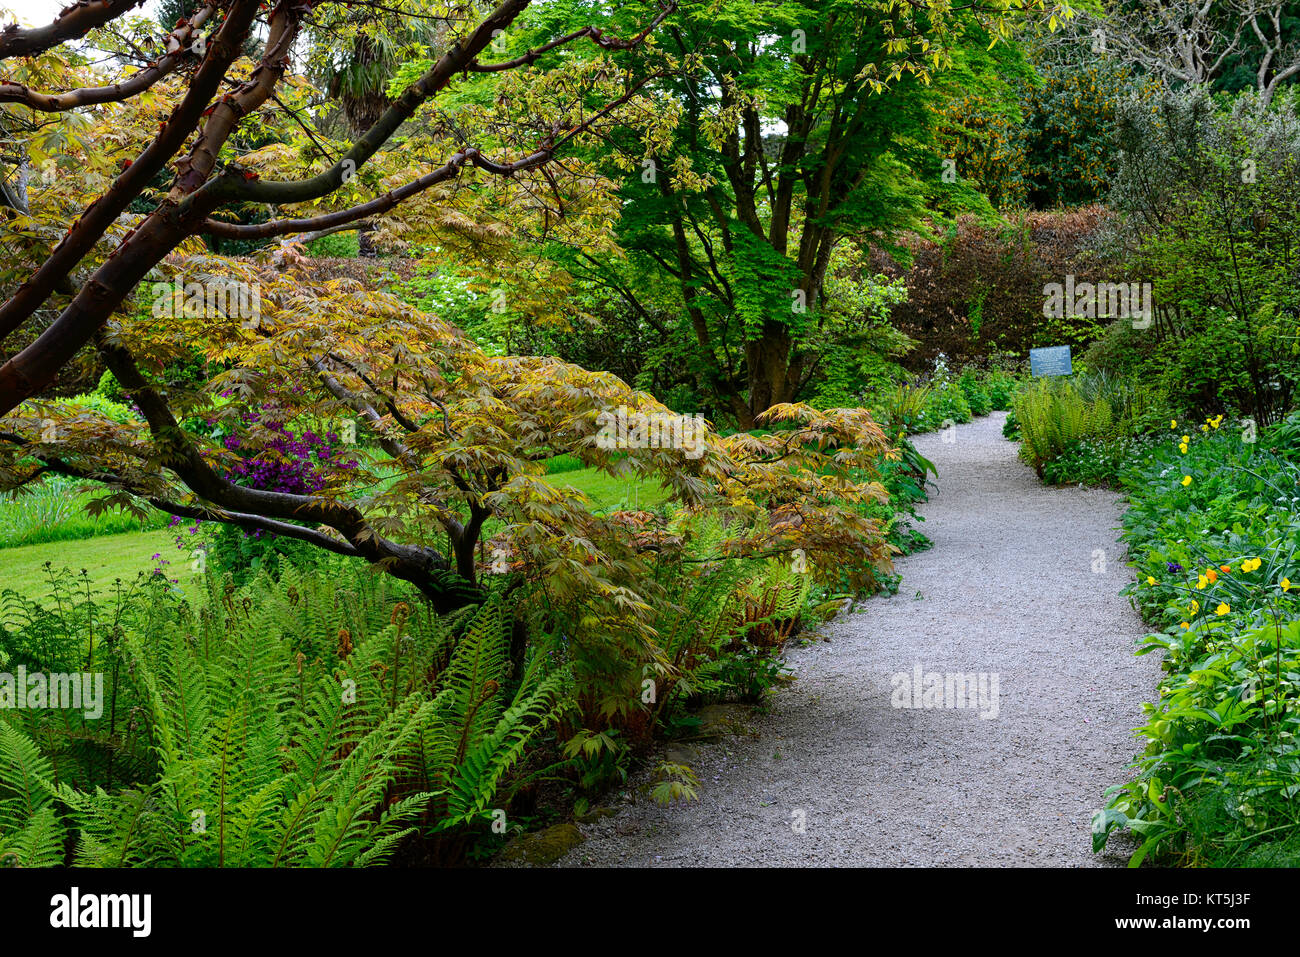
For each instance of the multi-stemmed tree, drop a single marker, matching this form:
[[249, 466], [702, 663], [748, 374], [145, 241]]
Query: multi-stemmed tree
[[808, 124], [419, 441]]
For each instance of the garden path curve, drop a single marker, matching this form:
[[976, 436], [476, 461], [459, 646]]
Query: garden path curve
[[1010, 587]]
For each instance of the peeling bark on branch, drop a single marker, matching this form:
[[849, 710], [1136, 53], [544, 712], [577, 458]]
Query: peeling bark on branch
[[73, 23]]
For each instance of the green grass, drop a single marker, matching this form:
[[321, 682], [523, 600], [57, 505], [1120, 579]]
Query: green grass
[[563, 463], [109, 556], [55, 512], [607, 493], [104, 558]]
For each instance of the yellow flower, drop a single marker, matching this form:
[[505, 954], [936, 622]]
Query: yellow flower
[[1202, 582], [1187, 480], [1223, 608], [1250, 564], [1183, 624], [1286, 584], [1205, 428], [1186, 439], [1196, 606], [1216, 421], [1182, 447], [1173, 423], [1150, 580]]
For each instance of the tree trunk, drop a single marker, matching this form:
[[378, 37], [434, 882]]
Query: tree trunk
[[767, 361]]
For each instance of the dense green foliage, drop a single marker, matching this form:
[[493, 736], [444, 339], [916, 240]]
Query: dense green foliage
[[432, 605], [1213, 529], [1210, 216], [376, 727], [302, 723]]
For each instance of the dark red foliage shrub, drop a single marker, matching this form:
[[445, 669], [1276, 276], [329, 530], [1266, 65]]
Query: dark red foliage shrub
[[978, 290]]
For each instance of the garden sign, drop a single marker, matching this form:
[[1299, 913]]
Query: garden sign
[[1054, 360]]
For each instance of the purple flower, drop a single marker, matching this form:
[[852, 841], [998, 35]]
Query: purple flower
[[284, 461]]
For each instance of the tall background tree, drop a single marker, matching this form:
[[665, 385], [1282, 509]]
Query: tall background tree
[[805, 124]]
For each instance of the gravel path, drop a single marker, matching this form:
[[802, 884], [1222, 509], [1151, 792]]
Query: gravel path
[[837, 776]]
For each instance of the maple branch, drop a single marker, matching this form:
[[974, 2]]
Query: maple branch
[[416, 564], [398, 416], [72, 23], [380, 204], [58, 466], [101, 214], [592, 33], [361, 226], [195, 194], [433, 81], [172, 220], [178, 44], [258, 523], [367, 411]]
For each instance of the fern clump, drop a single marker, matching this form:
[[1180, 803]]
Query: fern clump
[[1053, 415], [306, 721]]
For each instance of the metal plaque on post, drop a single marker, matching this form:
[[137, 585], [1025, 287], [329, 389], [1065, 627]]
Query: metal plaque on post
[[1053, 360]]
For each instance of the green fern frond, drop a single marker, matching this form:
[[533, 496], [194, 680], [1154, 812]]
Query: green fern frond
[[474, 783], [23, 773], [40, 843]]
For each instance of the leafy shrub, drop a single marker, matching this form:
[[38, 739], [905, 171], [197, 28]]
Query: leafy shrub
[[116, 411], [723, 622], [901, 408], [1089, 427], [913, 407], [109, 388], [1094, 461], [242, 553], [976, 397], [1221, 248], [344, 245], [564, 463], [999, 271], [1001, 386], [1138, 407], [1011, 427], [947, 404]]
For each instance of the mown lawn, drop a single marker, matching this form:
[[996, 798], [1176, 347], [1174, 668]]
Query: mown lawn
[[58, 514], [607, 492], [107, 557]]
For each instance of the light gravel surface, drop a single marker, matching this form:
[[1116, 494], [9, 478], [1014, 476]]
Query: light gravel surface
[[838, 776]]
